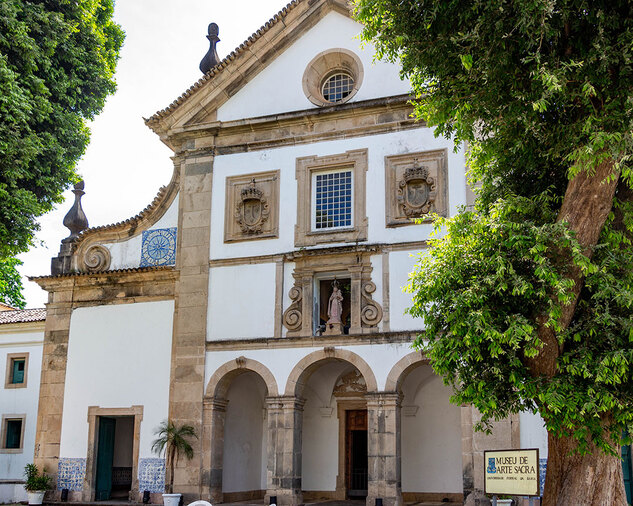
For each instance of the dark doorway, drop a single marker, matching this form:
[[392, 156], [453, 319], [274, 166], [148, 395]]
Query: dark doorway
[[114, 458], [627, 471], [356, 452]]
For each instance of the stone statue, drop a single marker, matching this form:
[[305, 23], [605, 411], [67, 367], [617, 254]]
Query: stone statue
[[334, 324]]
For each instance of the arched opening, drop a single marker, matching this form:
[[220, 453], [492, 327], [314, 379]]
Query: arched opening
[[334, 443], [244, 455], [430, 437]]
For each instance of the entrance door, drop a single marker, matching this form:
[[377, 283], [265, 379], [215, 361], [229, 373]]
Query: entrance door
[[105, 455], [356, 452], [627, 470]]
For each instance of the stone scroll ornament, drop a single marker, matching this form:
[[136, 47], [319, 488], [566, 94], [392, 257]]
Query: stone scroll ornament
[[97, 258], [251, 212], [292, 316], [371, 311], [416, 191]]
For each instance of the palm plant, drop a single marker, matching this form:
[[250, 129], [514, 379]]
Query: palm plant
[[172, 439]]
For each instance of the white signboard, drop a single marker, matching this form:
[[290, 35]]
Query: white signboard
[[511, 472]]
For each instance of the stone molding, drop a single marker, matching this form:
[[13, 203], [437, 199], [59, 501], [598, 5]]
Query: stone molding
[[416, 186], [88, 491], [402, 368], [356, 160], [365, 313], [251, 208], [3, 433], [221, 379], [308, 364], [89, 253], [325, 64]]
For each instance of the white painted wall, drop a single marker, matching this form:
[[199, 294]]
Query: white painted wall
[[243, 468], [280, 83], [127, 254], [284, 160], [20, 338], [379, 357], [533, 432], [118, 356], [401, 264], [431, 440], [241, 302]]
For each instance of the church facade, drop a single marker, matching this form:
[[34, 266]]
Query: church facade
[[259, 297]]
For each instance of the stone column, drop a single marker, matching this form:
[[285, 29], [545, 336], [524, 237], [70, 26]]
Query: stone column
[[213, 449], [283, 470], [53, 378], [383, 448], [190, 315], [307, 304]]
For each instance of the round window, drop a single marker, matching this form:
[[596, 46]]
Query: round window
[[337, 87]]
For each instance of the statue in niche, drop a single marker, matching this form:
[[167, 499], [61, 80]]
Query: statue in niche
[[334, 325]]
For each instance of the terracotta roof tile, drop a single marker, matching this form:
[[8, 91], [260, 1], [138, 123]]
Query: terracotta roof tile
[[22, 315], [223, 64], [102, 273]]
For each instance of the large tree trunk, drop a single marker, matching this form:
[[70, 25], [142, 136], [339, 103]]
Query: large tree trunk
[[593, 479]]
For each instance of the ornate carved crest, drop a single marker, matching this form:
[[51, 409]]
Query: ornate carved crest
[[416, 191], [251, 211], [349, 384]]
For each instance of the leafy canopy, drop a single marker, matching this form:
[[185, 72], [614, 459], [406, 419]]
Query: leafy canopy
[[11, 283], [57, 63], [539, 90]]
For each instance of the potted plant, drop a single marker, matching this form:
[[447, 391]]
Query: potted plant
[[36, 484], [173, 440]]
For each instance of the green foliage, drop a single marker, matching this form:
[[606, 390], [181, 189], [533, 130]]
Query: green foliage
[[173, 440], [34, 480], [11, 283], [57, 63], [539, 91]]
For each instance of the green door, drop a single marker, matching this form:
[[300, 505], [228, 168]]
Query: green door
[[105, 453], [628, 473]]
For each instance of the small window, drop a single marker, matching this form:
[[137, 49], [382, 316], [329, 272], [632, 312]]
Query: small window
[[17, 370], [337, 87], [332, 200], [12, 434]]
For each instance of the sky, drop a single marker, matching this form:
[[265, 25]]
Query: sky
[[126, 163]]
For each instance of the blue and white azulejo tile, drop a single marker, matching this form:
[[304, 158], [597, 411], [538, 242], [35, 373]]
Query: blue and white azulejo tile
[[71, 473], [158, 247], [151, 475]]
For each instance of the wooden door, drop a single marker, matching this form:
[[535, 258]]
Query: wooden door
[[356, 452], [105, 454]]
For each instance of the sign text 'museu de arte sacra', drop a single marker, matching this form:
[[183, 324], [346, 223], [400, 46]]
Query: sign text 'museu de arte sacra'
[[512, 472]]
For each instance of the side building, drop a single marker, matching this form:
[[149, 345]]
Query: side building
[[21, 342], [259, 297]]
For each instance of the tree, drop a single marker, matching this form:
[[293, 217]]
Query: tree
[[527, 298], [11, 283], [173, 440], [57, 63]]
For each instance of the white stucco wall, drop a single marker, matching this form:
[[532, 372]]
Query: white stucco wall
[[284, 160], [401, 263], [431, 439], [20, 338], [118, 356], [127, 254], [533, 432], [241, 302], [281, 81], [244, 465]]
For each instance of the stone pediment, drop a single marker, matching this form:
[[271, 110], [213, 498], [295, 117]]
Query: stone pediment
[[198, 106]]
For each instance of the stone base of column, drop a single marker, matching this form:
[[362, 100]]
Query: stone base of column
[[285, 497], [390, 494]]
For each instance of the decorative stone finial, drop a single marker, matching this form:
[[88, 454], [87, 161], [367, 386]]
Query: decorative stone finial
[[75, 220], [211, 59]]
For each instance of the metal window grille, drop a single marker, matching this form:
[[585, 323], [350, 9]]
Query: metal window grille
[[333, 200], [337, 87]]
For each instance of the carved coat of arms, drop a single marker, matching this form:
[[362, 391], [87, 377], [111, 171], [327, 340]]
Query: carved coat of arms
[[416, 192], [251, 211]]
